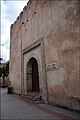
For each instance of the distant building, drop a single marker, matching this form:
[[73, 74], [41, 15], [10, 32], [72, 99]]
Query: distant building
[[4, 74], [44, 52]]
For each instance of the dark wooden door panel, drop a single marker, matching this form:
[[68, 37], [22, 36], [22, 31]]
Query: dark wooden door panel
[[35, 77]]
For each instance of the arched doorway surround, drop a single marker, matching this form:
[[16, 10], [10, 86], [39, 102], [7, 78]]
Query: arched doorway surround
[[35, 50], [32, 75]]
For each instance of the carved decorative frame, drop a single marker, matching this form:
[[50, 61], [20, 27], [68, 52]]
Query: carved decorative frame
[[35, 45]]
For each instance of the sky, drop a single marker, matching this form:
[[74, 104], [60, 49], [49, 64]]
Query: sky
[[10, 9]]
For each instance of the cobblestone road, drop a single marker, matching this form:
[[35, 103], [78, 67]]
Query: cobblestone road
[[13, 108]]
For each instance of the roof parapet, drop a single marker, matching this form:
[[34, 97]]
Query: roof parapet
[[24, 9]]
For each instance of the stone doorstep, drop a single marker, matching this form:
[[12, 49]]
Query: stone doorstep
[[33, 97]]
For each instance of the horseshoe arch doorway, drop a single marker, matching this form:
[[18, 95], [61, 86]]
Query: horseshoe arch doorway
[[32, 76]]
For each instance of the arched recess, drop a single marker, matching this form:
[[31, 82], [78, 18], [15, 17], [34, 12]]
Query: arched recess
[[32, 75]]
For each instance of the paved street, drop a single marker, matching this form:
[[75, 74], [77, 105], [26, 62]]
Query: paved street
[[14, 108]]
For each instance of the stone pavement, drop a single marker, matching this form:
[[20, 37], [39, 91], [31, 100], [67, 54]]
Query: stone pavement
[[14, 108]]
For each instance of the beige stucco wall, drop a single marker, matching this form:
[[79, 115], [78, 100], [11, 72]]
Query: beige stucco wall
[[58, 23], [62, 45], [15, 57]]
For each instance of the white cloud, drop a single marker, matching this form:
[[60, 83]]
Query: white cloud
[[9, 12]]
